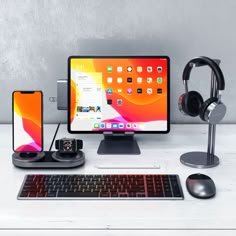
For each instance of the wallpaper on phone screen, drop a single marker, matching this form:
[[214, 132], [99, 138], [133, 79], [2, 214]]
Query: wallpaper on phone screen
[[27, 122], [133, 94]]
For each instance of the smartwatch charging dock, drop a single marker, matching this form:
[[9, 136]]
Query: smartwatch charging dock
[[48, 160], [68, 155]]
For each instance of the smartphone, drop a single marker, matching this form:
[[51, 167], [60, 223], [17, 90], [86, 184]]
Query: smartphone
[[27, 110]]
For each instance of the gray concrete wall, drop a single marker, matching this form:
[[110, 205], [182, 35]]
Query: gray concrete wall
[[37, 36]]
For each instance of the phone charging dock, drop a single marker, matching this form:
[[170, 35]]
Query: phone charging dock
[[47, 160]]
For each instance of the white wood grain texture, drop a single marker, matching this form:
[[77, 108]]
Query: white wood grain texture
[[118, 232], [191, 214]]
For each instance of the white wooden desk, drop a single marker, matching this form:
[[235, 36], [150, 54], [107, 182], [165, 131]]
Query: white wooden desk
[[188, 217]]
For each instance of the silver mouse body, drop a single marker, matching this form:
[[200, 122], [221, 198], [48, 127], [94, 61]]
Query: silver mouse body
[[201, 186]]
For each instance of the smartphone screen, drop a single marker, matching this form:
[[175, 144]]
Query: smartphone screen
[[27, 121]]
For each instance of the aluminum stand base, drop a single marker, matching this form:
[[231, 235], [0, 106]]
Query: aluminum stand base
[[199, 160]]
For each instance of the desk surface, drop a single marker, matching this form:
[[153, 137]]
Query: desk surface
[[163, 150]]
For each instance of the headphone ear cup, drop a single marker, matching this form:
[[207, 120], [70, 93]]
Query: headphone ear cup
[[191, 103], [205, 105], [181, 103]]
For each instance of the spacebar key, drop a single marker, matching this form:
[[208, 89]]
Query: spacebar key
[[77, 194]]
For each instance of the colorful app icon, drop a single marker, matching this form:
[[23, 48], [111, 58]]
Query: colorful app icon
[[114, 125], [128, 125], [121, 125], [149, 69], [129, 90], [108, 125], [139, 80], [96, 125], [141, 125], [139, 69], [149, 90], [139, 90], [119, 102], [149, 80], [119, 80], [109, 69], [159, 80], [109, 80], [98, 109], [129, 68], [109, 91], [109, 101], [119, 68], [159, 69], [129, 80], [102, 126], [159, 90], [119, 90], [135, 125]]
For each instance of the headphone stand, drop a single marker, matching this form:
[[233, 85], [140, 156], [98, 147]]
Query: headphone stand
[[205, 159]]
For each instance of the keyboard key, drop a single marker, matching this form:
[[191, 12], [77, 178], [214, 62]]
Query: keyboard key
[[104, 194], [32, 194], [123, 195], [41, 195], [77, 194], [24, 194], [140, 195]]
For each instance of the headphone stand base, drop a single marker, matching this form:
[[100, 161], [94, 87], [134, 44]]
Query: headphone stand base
[[199, 160]]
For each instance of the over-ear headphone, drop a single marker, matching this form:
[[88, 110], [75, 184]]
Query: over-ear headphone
[[191, 102]]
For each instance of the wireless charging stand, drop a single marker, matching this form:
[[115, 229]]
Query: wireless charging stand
[[47, 160]]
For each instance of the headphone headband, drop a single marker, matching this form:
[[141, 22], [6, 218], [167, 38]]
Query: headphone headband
[[212, 64]]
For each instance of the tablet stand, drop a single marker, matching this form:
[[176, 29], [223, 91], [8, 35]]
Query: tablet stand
[[205, 159], [118, 144]]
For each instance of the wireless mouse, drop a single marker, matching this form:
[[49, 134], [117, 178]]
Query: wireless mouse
[[201, 186]]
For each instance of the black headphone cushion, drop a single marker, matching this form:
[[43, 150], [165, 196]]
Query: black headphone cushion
[[192, 103], [205, 105]]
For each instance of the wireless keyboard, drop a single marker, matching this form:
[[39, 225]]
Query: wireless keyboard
[[101, 187]]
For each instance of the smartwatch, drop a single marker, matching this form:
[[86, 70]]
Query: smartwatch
[[68, 145]]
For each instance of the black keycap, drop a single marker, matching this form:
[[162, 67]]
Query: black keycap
[[24, 194], [123, 195], [32, 194], [52, 194], [41, 195], [104, 194], [77, 194]]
